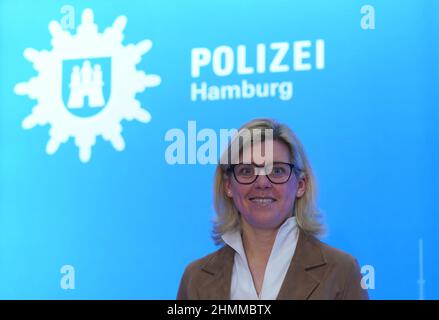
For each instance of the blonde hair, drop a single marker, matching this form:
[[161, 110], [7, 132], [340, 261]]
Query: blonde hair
[[305, 210]]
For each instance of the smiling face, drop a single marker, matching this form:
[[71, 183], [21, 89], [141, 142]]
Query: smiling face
[[263, 204]]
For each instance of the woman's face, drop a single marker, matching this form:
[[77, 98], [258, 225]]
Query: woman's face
[[263, 204]]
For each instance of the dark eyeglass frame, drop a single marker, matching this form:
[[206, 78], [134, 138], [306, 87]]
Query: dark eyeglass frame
[[232, 169]]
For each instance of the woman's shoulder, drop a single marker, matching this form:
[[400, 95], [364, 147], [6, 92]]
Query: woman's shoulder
[[332, 254], [339, 271], [210, 261], [202, 271]]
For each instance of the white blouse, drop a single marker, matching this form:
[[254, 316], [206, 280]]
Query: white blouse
[[242, 286]]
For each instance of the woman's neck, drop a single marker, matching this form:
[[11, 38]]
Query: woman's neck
[[258, 243]]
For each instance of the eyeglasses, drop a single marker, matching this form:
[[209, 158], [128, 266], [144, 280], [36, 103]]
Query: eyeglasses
[[276, 172]]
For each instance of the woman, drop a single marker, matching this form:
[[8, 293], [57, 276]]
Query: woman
[[267, 222]]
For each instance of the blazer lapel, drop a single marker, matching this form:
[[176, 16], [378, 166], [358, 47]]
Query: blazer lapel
[[300, 282], [220, 268]]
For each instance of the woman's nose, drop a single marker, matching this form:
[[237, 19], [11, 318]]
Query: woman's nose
[[262, 182]]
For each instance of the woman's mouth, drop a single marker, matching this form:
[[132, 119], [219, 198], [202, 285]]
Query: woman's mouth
[[262, 200]]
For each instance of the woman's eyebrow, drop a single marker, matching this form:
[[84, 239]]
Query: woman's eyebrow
[[264, 164]]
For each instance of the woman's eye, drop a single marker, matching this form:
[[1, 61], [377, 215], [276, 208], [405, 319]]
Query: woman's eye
[[246, 171], [278, 170]]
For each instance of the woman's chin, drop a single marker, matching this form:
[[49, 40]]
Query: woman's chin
[[264, 220]]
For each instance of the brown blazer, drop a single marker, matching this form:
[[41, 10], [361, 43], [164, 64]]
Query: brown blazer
[[317, 271]]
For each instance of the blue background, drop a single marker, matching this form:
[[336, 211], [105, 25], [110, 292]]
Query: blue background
[[129, 222]]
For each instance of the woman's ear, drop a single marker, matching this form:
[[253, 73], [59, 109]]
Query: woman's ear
[[227, 188], [301, 187]]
